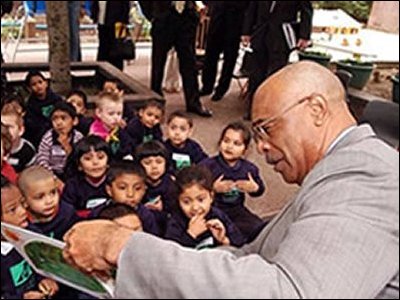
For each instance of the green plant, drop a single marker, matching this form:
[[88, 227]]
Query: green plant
[[316, 53], [356, 62]]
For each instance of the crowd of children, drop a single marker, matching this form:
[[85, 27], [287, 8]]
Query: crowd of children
[[61, 165]]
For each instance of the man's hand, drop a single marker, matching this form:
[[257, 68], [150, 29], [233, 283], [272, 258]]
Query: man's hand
[[94, 246], [303, 44], [246, 40]]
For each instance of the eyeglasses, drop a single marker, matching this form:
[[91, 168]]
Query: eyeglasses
[[262, 127]]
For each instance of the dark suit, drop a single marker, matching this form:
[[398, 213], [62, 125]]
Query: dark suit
[[271, 52], [116, 11], [223, 37], [171, 29]]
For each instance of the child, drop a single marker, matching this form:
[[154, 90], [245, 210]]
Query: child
[[196, 223], [6, 146], [184, 151], [86, 187], [109, 109], [234, 177], [146, 127], [22, 153], [57, 144], [39, 187], [123, 215], [153, 156], [18, 281], [39, 107], [126, 185], [79, 100]]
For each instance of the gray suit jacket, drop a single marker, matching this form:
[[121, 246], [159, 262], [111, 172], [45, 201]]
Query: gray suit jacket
[[338, 238]]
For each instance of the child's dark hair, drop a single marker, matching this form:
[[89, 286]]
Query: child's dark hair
[[194, 175], [116, 210], [81, 95], [238, 126], [124, 167], [182, 115], [31, 74], [65, 107], [153, 103], [152, 149], [91, 142], [14, 100]]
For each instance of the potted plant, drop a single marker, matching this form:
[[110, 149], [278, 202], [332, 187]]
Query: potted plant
[[320, 57], [361, 71], [395, 80]]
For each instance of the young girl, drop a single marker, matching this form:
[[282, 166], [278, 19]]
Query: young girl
[[87, 168], [39, 107], [196, 223], [18, 281], [79, 100], [234, 177]]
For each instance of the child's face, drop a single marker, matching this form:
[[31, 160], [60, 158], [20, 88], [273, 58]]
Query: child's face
[[155, 167], [78, 103], [42, 197], [94, 164], [39, 87], [232, 146], [127, 189], [151, 116], [16, 131], [131, 221], [13, 211], [110, 113], [62, 122], [179, 131], [195, 201]]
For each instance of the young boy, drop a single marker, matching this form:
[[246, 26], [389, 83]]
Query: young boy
[[126, 185], [184, 151], [6, 145], [57, 144], [122, 214], [146, 127], [22, 153], [46, 212], [79, 100], [18, 280], [39, 107]]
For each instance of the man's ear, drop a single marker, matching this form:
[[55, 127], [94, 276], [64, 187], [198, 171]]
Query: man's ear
[[319, 109]]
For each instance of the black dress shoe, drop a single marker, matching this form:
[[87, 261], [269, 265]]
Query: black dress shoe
[[200, 111], [217, 97], [204, 93]]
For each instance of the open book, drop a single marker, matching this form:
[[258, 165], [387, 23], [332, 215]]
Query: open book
[[45, 256]]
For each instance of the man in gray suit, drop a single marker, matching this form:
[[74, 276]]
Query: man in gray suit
[[337, 239]]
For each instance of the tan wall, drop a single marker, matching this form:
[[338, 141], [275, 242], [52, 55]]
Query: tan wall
[[385, 16]]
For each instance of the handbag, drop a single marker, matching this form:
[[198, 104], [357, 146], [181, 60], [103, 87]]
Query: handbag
[[123, 46]]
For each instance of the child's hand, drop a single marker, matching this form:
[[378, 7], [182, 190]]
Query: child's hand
[[222, 186], [34, 295], [218, 231], [122, 124], [197, 226], [248, 186], [48, 287], [155, 205]]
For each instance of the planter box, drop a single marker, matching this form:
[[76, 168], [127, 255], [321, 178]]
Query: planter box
[[322, 59], [361, 72]]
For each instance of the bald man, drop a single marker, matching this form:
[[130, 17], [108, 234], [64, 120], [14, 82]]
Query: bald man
[[338, 238]]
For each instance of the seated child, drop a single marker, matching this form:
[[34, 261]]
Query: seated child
[[79, 100], [22, 154], [18, 280], [146, 127], [235, 177], [6, 145], [52, 217], [123, 215], [184, 151], [126, 185], [57, 144], [86, 187], [196, 223], [109, 109], [39, 107]]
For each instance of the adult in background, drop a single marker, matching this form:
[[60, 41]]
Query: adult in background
[[174, 24], [338, 238], [226, 22], [74, 10]]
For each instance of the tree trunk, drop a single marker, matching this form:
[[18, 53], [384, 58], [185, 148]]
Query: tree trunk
[[58, 31]]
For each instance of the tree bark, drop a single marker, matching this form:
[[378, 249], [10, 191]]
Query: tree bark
[[58, 31]]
